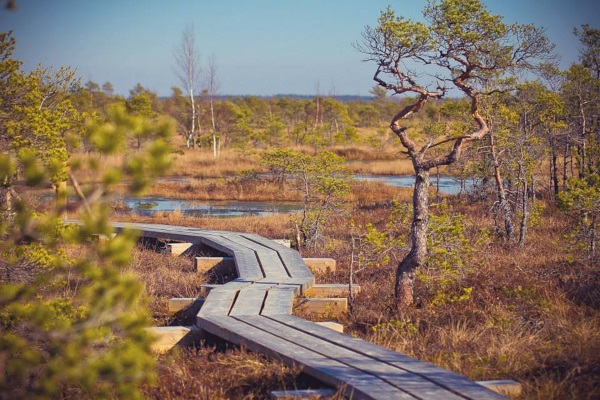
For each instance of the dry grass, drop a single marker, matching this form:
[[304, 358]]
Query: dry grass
[[234, 188], [165, 277], [363, 192], [214, 373], [525, 319], [200, 163], [399, 166], [533, 315], [368, 194]]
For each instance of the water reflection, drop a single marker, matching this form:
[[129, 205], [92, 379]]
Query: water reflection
[[151, 205]]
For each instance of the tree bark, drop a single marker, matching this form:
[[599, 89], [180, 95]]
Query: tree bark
[[524, 215], [554, 166], [593, 239], [406, 272], [565, 165], [7, 203], [503, 207], [214, 129]]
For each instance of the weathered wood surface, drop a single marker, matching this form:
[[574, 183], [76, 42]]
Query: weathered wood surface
[[279, 300], [330, 307], [331, 290], [167, 337], [332, 325], [222, 265], [321, 264], [254, 311], [178, 305]]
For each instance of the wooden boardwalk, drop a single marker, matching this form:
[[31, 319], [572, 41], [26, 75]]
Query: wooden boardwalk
[[255, 310]]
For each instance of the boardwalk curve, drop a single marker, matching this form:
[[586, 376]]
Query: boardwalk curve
[[254, 310]]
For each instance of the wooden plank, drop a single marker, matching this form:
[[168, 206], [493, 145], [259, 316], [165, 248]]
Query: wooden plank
[[158, 231], [302, 284], [355, 383], [220, 265], [279, 301], [177, 249], [331, 307], [331, 290], [271, 244], [302, 394], [173, 232], [218, 302], [332, 325], [295, 264], [221, 244], [321, 265], [246, 262], [445, 378], [190, 306], [268, 258], [203, 290], [249, 301], [295, 288], [167, 337], [236, 284], [291, 258], [403, 380]]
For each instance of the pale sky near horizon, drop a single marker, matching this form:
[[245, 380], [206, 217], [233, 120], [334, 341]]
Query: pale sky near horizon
[[261, 47]]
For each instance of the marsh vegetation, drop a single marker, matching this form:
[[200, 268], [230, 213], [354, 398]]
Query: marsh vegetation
[[506, 282]]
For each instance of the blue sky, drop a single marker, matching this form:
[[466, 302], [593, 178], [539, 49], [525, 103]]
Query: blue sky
[[262, 47]]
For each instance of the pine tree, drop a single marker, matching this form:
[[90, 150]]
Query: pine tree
[[71, 318]]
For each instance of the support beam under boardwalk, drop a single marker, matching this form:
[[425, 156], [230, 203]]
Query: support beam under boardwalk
[[331, 307], [320, 265], [220, 265], [177, 249], [168, 337], [189, 305], [331, 290]]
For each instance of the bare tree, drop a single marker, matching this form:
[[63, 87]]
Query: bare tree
[[212, 88], [187, 70]]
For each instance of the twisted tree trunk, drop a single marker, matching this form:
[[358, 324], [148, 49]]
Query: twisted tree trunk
[[405, 274]]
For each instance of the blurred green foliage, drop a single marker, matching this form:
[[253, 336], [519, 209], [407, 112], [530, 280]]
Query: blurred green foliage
[[72, 319]]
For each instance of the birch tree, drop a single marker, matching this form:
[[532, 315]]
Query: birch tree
[[212, 88], [187, 70]]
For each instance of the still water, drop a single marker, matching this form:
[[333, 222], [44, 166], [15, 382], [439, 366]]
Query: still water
[[447, 185], [151, 205]]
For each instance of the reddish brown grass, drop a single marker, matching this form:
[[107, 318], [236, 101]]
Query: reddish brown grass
[[521, 322], [227, 373], [533, 314]]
